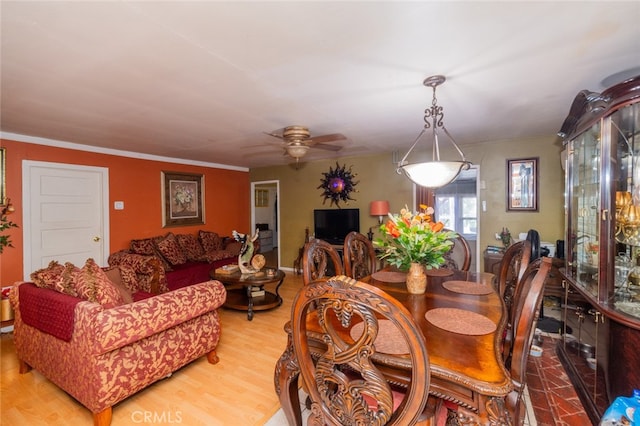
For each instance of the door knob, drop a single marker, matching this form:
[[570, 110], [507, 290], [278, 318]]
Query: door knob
[[96, 239]]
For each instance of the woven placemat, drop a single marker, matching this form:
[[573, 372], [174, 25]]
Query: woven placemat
[[467, 287], [389, 340], [440, 272], [460, 321], [389, 277]]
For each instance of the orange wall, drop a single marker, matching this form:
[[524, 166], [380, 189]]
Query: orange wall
[[137, 183]]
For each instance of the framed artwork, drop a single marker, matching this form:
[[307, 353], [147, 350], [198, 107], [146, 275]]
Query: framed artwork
[[522, 185], [182, 199], [262, 198], [3, 182]]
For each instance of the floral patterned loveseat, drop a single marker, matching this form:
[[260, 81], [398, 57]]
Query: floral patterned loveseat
[[102, 340], [185, 258]]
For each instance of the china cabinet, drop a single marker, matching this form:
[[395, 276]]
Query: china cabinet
[[601, 346]]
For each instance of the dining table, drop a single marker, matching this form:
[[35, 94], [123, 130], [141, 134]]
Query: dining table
[[462, 318]]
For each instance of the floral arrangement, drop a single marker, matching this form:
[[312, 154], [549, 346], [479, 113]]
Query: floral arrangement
[[414, 238]]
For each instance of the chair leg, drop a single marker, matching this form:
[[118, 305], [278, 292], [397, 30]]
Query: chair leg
[[103, 418], [212, 357]]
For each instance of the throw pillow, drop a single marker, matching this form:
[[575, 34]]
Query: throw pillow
[[144, 246], [114, 275], [67, 281], [165, 263], [210, 241], [94, 285], [171, 251], [190, 246], [47, 277]]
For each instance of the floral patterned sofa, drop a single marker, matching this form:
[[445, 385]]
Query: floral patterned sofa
[[185, 258], [100, 338]]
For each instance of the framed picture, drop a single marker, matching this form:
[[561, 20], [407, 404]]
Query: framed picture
[[3, 182], [182, 199], [522, 185]]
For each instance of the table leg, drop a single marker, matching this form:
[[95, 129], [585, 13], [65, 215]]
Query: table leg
[[286, 382], [250, 307]]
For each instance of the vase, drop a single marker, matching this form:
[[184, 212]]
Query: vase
[[417, 279]]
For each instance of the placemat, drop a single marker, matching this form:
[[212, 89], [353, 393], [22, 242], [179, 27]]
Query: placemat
[[389, 277], [389, 340], [467, 287], [460, 321], [440, 272]]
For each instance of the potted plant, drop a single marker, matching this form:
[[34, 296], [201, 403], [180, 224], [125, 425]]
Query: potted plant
[[5, 223]]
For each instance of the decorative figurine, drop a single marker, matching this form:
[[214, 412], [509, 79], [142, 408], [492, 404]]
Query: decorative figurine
[[246, 252]]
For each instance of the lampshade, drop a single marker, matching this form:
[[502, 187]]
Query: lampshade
[[379, 208], [436, 173], [297, 150]]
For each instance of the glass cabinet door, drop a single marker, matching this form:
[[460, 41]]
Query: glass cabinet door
[[624, 294], [584, 186]]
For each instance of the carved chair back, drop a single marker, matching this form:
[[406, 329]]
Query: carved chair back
[[344, 384], [359, 256], [527, 308], [320, 260], [459, 257], [515, 261]]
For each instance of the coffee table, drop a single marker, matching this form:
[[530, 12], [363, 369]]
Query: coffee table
[[242, 287]]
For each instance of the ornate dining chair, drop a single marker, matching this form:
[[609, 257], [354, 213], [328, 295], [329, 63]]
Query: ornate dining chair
[[320, 260], [514, 262], [459, 257], [344, 384], [527, 308], [359, 256]]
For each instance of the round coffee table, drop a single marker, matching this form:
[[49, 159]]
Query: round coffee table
[[246, 292]]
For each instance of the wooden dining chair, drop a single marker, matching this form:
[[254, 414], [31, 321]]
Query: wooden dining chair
[[527, 308], [359, 256], [459, 257], [344, 384], [320, 260], [512, 266]]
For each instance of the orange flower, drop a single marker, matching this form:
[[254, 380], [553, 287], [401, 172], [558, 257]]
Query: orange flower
[[392, 229], [436, 227]]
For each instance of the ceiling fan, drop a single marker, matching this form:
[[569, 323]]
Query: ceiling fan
[[297, 140]]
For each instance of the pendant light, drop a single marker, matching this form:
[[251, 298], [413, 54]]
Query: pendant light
[[435, 173]]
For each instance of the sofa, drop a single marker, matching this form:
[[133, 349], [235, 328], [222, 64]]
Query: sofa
[[78, 328], [185, 258]]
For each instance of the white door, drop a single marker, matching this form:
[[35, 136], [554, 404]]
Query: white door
[[66, 214]]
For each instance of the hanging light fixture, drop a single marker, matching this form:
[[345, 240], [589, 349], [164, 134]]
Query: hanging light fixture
[[435, 173], [297, 150]]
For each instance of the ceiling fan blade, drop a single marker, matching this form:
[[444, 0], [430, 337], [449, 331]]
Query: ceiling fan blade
[[328, 138], [275, 135], [327, 147]]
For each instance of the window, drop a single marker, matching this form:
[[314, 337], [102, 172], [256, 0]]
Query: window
[[457, 207]]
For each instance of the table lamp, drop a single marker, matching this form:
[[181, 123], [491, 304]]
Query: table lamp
[[380, 209]]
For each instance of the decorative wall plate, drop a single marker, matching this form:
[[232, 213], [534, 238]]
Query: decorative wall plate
[[337, 185]]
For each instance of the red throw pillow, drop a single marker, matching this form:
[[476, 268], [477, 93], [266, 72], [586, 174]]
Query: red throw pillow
[[47, 277], [210, 241], [67, 282], [94, 285], [190, 246], [142, 247], [114, 275], [171, 251]]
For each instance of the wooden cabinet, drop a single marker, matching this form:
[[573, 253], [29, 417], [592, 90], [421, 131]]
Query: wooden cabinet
[[602, 236]]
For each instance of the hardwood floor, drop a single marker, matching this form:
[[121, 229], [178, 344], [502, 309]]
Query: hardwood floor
[[236, 391]]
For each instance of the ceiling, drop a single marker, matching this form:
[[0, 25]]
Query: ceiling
[[203, 80]]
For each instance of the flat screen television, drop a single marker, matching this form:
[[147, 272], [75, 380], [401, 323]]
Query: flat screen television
[[333, 225]]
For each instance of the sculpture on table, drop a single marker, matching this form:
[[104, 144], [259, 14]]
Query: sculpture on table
[[246, 252]]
